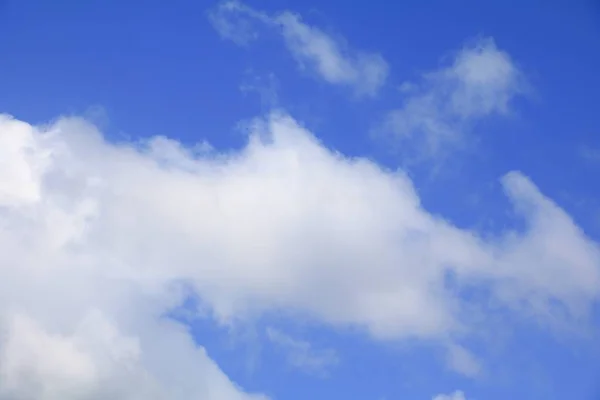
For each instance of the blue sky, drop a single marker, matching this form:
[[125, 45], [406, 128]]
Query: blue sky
[[291, 200]]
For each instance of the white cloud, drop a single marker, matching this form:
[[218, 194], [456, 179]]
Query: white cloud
[[333, 60], [301, 354], [75, 322], [96, 236], [457, 395], [438, 112]]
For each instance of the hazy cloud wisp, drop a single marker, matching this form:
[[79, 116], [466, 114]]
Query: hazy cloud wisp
[[301, 354], [333, 60], [439, 111]]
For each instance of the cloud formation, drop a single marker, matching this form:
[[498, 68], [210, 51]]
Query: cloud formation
[[100, 238], [438, 112], [332, 60]]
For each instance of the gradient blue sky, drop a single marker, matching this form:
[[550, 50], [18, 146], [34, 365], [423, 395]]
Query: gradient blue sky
[[453, 96]]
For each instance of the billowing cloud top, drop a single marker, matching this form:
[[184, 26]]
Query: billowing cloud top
[[99, 239]]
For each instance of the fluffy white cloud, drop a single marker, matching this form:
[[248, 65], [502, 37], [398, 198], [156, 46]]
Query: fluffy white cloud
[[76, 322], [333, 60], [301, 354], [96, 238], [482, 80]]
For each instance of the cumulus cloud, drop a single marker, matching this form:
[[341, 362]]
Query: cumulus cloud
[[301, 354], [438, 111], [332, 60], [100, 238]]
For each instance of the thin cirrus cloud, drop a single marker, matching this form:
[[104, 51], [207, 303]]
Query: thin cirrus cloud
[[97, 236], [462, 361], [332, 60], [303, 355], [590, 154], [439, 110], [457, 395]]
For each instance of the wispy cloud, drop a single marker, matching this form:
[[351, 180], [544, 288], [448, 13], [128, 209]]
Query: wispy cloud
[[302, 355], [462, 361], [265, 87], [439, 111], [333, 60], [236, 21], [457, 395], [590, 154]]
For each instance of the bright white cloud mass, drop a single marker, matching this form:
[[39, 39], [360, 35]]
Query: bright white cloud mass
[[332, 60], [98, 237]]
